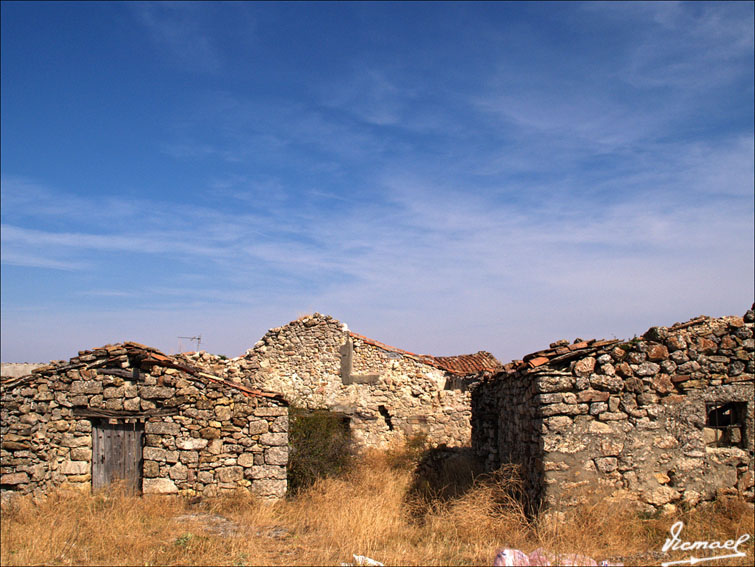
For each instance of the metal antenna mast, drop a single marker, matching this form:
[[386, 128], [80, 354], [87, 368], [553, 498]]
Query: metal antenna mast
[[198, 339]]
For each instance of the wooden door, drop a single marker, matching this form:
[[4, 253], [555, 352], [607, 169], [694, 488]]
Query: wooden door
[[116, 453]]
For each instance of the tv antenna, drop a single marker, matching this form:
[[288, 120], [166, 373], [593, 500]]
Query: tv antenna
[[197, 338]]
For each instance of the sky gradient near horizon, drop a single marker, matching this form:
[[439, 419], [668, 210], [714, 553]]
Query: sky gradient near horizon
[[443, 177]]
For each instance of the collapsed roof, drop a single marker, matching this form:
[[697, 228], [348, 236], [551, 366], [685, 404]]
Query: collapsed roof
[[460, 365], [560, 353]]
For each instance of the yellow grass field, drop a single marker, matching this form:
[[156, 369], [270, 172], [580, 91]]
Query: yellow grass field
[[369, 511]]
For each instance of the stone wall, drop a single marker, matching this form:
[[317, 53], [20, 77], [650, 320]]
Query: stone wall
[[386, 393], [201, 435], [645, 419]]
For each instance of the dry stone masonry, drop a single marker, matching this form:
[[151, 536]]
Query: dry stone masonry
[[664, 419], [383, 391], [129, 412]]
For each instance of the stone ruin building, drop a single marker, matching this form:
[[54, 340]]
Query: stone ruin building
[[381, 391], [199, 424], [128, 412], [662, 420]]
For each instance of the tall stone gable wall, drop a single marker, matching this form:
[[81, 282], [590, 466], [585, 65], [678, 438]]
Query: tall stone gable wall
[[317, 364], [199, 437], [626, 419]]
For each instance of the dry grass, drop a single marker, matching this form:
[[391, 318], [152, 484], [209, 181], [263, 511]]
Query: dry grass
[[369, 511]]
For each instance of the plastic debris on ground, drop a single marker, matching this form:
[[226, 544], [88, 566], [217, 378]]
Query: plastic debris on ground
[[363, 560], [508, 557]]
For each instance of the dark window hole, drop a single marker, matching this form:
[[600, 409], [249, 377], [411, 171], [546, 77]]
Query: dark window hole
[[724, 424], [386, 416]]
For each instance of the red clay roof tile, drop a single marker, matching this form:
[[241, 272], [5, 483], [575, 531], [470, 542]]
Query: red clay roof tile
[[461, 365], [467, 364], [539, 361]]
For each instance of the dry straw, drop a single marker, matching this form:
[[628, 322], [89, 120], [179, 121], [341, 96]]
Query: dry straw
[[374, 509]]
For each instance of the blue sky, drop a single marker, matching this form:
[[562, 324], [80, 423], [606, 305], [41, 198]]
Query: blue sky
[[443, 177]]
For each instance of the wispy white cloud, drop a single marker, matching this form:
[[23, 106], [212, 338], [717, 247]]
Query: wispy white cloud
[[24, 195], [370, 95], [673, 57], [177, 28], [29, 260], [149, 243], [654, 90], [425, 248], [537, 201], [108, 293]]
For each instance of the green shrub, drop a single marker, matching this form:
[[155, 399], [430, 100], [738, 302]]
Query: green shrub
[[320, 445], [183, 541]]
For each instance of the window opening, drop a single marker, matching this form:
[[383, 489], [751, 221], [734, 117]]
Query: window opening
[[386, 416], [724, 424]]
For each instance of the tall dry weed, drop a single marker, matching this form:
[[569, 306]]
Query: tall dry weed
[[371, 510], [72, 528], [363, 508], [596, 527]]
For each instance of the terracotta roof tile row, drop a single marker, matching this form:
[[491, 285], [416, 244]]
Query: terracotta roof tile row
[[424, 358], [559, 352], [466, 364], [461, 365]]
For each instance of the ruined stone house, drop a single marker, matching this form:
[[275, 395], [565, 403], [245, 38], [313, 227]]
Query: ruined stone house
[[128, 412], [663, 419], [381, 391]]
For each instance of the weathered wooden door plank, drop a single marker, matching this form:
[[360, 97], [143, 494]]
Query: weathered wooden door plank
[[117, 453], [98, 457]]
